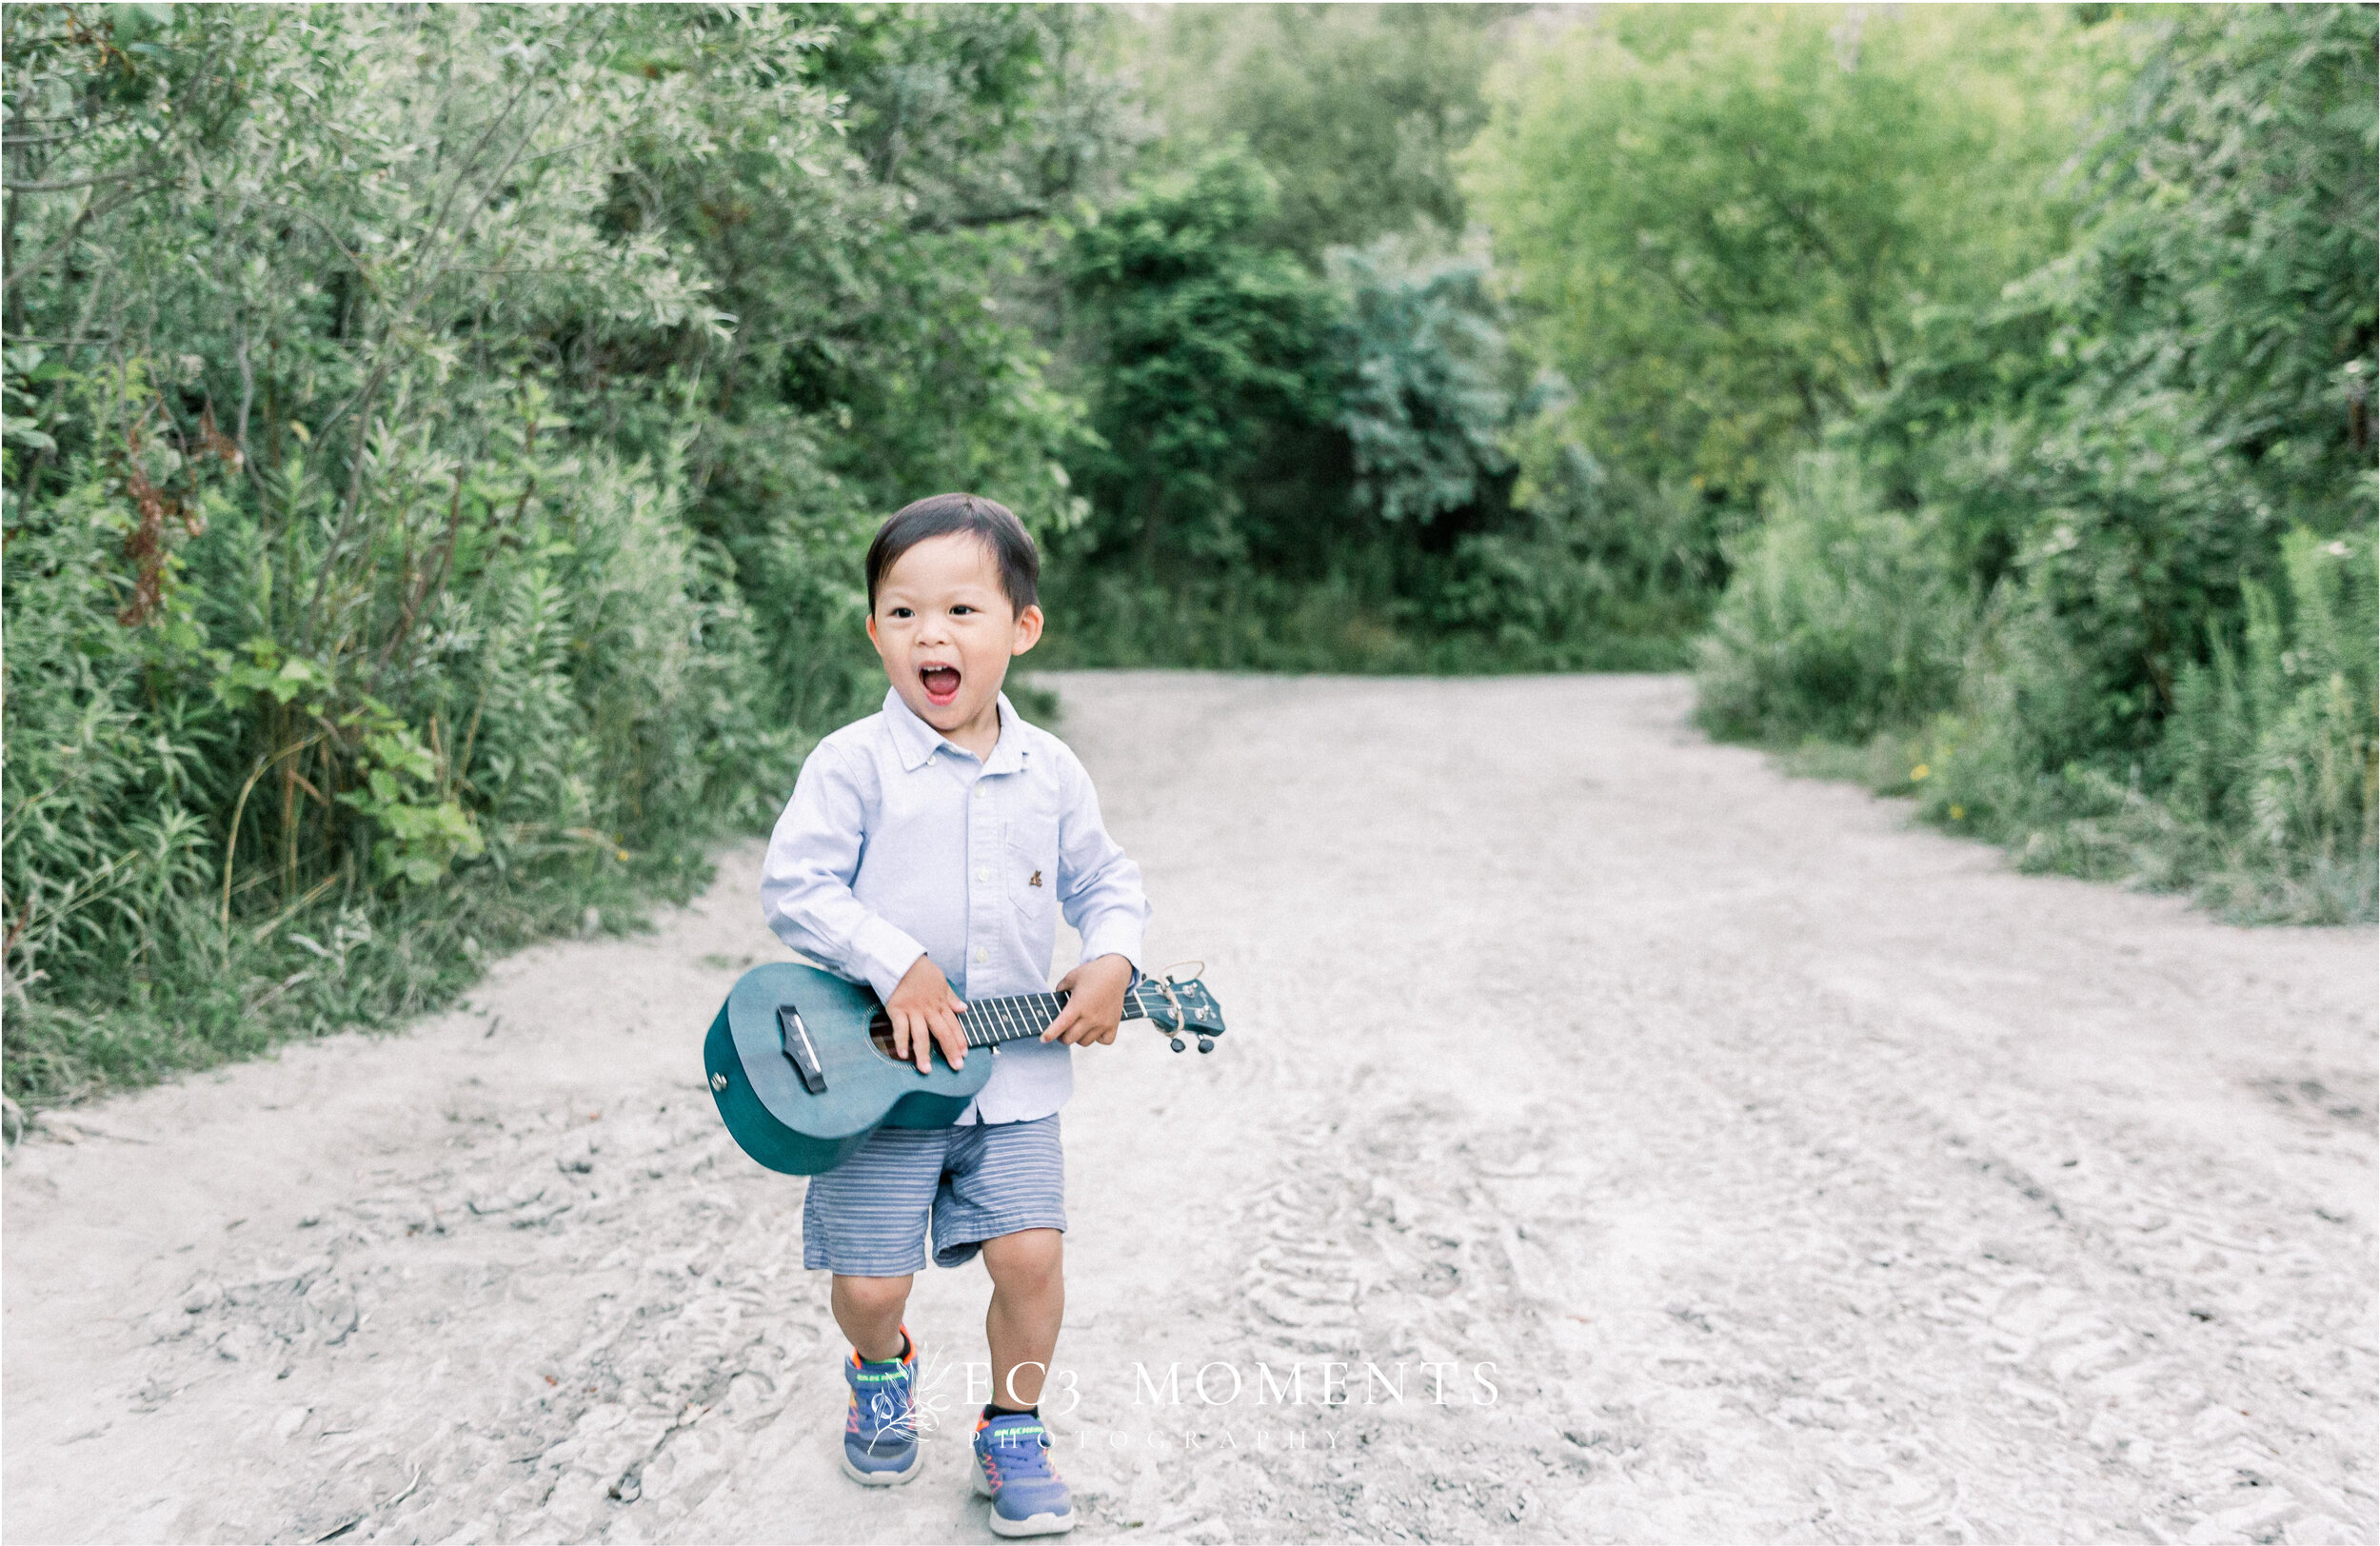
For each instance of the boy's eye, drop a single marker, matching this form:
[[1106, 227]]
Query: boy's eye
[[900, 611], [960, 610]]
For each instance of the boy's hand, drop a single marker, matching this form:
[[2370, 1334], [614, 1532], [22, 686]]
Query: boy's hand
[[925, 1012], [1096, 1006]]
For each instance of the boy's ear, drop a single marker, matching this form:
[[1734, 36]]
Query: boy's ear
[[1028, 630]]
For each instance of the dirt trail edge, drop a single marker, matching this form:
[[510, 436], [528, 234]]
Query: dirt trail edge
[[1613, 1141]]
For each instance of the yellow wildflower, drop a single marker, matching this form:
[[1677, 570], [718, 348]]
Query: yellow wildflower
[[1918, 774]]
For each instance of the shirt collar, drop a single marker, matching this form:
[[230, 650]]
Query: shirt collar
[[918, 741]]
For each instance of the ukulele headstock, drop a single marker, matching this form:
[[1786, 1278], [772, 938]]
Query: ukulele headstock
[[1179, 1004]]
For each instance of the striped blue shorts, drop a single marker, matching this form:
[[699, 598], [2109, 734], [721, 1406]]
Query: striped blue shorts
[[867, 1218]]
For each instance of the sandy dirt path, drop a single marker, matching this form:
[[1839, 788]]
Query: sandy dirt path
[[1800, 1176]]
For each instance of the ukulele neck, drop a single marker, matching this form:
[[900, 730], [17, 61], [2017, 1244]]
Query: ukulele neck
[[989, 1021]]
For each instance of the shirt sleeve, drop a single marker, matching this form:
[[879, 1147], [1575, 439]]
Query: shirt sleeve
[[1098, 886], [805, 881]]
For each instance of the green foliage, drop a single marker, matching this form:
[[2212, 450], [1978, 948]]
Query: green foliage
[[1839, 621], [2153, 457], [1428, 399], [2130, 432], [1301, 389], [438, 448], [1212, 347], [1358, 112], [1581, 571], [2263, 794], [1236, 619], [1718, 219], [1314, 423], [1322, 472], [2273, 736], [888, 315]]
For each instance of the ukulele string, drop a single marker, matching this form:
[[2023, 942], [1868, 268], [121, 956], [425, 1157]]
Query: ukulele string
[[1167, 989]]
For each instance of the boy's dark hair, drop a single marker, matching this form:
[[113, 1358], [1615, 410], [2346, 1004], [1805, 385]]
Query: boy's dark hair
[[939, 516]]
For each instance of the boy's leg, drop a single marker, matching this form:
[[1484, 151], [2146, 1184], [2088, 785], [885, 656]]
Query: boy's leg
[[1028, 1304], [868, 1310], [1012, 1462], [865, 1221], [1005, 1193]]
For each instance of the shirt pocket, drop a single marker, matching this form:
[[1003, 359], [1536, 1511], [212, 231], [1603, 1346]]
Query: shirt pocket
[[1031, 856]]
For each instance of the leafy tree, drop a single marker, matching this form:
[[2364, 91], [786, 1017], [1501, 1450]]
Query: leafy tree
[[1429, 395], [978, 116], [1207, 342], [2129, 433], [1358, 499], [893, 294], [438, 448], [2151, 461], [1357, 110], [1718, 220]]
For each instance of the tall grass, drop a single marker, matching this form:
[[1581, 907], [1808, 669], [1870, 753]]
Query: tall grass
[[528, 710], [2262, 795], [2259, 795]]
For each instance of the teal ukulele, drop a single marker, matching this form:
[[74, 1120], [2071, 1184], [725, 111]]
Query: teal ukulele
[[802, 1064]]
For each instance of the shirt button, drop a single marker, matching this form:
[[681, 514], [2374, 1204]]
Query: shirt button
[[980, 791], [981, 954], [982, 875]]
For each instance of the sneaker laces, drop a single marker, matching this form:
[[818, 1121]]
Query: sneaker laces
[[886, 1416], [1025, 1461], [900, 1426]]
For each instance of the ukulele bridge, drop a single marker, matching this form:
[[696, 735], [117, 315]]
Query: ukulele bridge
[[794, 1038]]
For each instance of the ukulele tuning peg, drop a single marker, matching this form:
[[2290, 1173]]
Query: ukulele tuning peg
[[1175, 1040], [1207, 1043]]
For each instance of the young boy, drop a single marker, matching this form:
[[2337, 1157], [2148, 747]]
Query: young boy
[[926, 851]]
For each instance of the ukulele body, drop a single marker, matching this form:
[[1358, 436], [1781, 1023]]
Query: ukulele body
[[775, 1117]]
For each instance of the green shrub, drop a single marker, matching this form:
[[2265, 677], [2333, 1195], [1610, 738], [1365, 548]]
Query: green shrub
[[2153, 460], [1839, 620], [2260, 794], [210, 846], [439, 447]]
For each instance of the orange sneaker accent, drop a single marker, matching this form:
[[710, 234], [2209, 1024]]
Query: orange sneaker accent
[[910, 1341]]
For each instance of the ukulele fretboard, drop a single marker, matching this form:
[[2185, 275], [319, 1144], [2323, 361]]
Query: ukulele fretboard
[[990, 1022], [994, 1020]]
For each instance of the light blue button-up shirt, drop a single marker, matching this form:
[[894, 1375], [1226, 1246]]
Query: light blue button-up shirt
[[897, 843]]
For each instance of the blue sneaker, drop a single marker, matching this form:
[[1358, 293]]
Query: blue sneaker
[[880, 1435], [1012, 1469]]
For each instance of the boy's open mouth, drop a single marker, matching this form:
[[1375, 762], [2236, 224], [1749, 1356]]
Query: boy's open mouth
[[940, 683]]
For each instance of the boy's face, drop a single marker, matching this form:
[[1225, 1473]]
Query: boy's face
[[947, 631]]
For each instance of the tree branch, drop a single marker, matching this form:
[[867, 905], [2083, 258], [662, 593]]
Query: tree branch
[[980, 221], [63, 184], [18, 274]]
